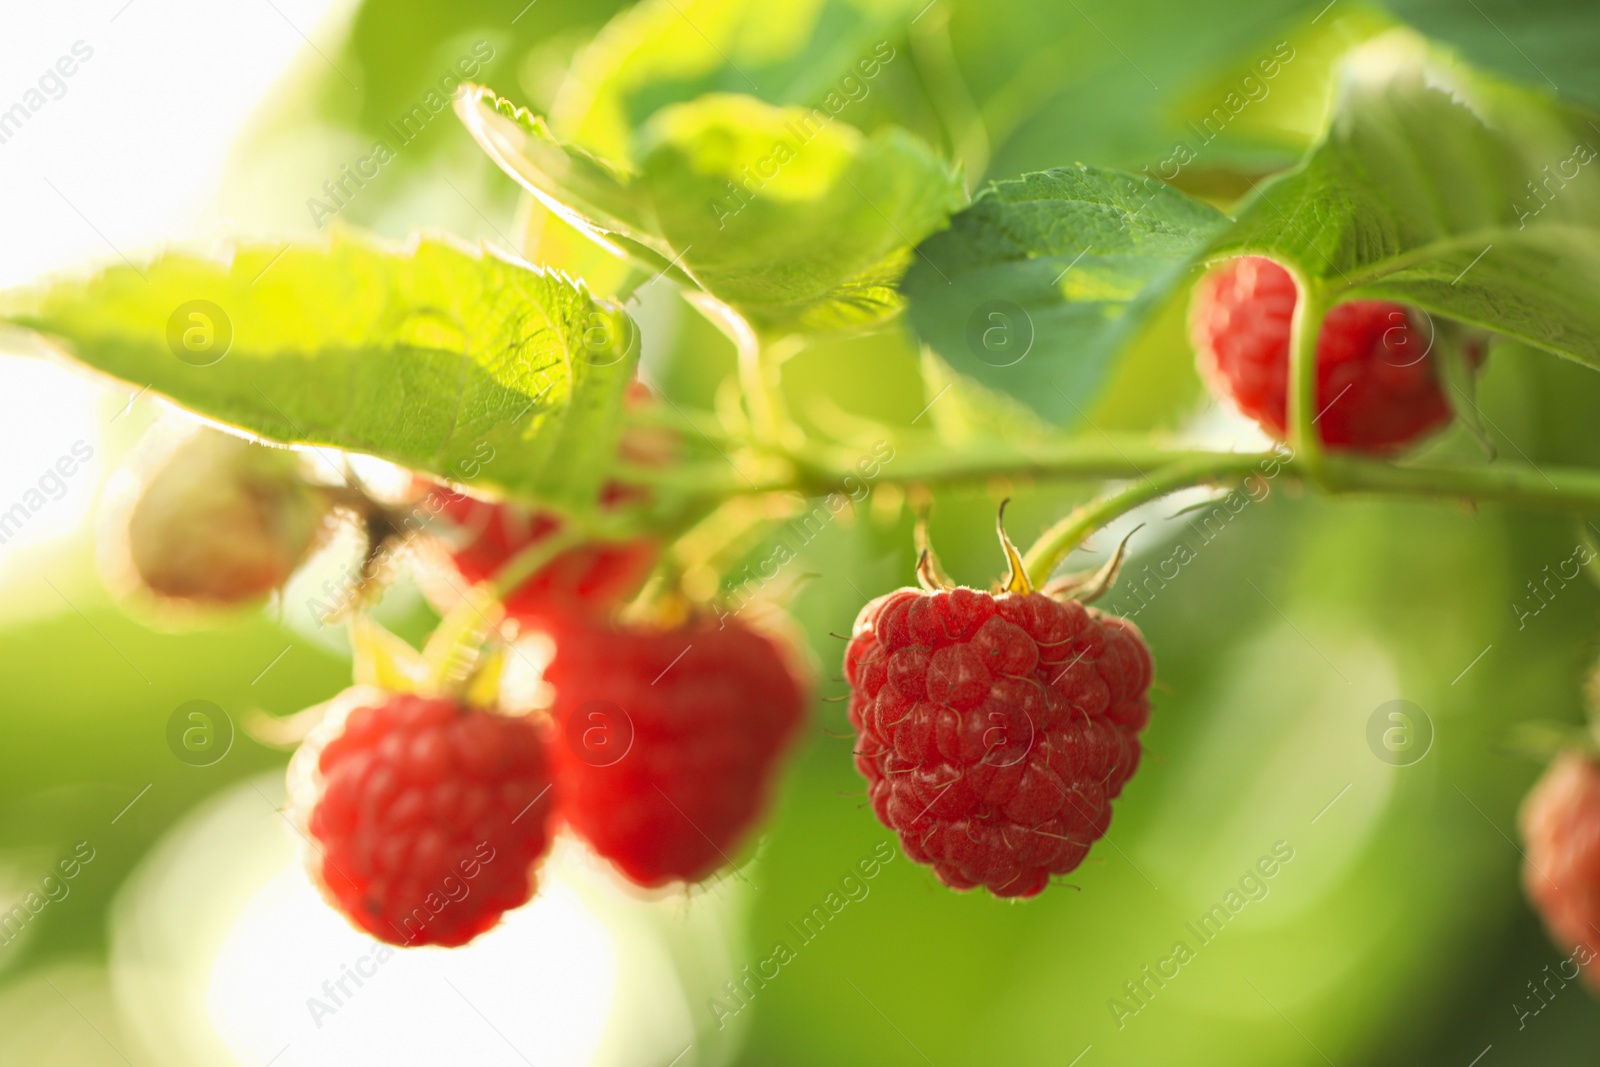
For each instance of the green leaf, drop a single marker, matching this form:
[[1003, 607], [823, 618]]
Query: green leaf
[[848, 56], [1037, 287], [1442, 188], [596, 195], [459, 364], [966, 415], [794, 220], [1545, 43], [1459, 354]]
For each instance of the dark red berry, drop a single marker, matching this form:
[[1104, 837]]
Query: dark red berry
[[427, 817], [995, 730], [1560, 823], [668, 741], [584, 581], [1378, 386]]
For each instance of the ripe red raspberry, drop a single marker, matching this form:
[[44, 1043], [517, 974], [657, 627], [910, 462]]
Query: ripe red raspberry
[[1560, 823], [995, 730], [668, 741], [582, 581], [1378, 386], [427, 816]]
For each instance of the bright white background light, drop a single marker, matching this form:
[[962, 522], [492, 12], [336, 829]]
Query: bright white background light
[[220, 943], [126, 154], [116, 159], [538, 988]]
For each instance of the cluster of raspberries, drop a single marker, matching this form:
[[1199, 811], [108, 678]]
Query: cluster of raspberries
[[428, 817], [994, 730]]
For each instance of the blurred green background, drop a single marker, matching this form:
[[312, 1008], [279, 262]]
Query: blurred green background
[[1397, 934]]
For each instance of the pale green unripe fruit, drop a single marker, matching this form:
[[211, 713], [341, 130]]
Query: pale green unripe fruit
[[224, 521]]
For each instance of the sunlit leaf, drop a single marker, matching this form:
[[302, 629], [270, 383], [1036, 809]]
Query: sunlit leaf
[[846, 56], [457, 363], [791, 218]]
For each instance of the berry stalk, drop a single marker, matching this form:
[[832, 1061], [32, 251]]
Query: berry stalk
[[1056, 543], [1536, 488], [532, 559], [1304, 331], [757, 380]]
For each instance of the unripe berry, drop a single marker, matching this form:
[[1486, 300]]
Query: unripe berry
[[224, 521]]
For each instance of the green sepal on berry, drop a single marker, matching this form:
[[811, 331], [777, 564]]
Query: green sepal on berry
[[463, 660]]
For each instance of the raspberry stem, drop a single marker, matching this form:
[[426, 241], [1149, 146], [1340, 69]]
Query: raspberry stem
[[1305, 328], [1111, 457], [757, 380], [1560, 489], [1572, 490], [533, 558], [1056, 543], [1541, 488]]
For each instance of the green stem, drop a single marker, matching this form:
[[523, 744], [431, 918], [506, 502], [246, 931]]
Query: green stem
[[1562, 489], [1544, 488], [532, 559], [1574, 490], [1056, 543], [685, 420], [755, 380], [933, 56], [1305, 327], [631, 282], [1086, 460]]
